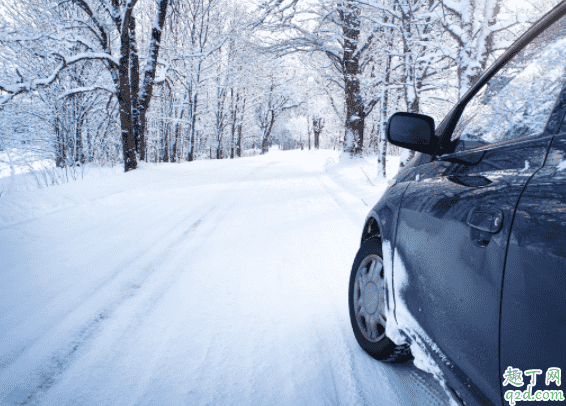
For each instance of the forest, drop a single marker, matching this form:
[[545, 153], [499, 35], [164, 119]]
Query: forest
[[116, 82]]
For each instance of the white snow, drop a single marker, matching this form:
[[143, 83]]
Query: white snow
[[405, 154], [526, 168], [220, 282]]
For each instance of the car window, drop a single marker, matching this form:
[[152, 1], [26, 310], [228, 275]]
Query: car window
[[517, 101]]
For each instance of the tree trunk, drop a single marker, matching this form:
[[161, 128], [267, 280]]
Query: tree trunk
[[309, 131], [239, 148], [382, 156], [125, 102], [354, 134], [176, 142], [191, 156], [267, 135], [166, 144], [383, 117], [81, 157], [179, 141], [317, 126], [265, 146], [234, 118], [135, 85], [411, 92], [60, 146], [150, 70]]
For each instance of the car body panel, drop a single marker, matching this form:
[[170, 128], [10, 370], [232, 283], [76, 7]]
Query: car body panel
[[533, 316], [455, 271]]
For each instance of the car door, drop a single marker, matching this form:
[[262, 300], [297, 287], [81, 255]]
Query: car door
[[533, 313], [456, 214]]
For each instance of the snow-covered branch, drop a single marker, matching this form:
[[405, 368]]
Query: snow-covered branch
[[17, 88], [86, 89]]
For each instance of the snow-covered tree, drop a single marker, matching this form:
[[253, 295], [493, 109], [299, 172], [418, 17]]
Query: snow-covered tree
[[103, 32], [338, 30], [277, 97], [474, 26]]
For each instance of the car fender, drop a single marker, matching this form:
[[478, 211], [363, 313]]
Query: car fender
[[381, 222]]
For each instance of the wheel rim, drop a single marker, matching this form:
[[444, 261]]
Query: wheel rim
[[369, 298]]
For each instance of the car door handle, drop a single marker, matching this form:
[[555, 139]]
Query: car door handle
[[486, 218]]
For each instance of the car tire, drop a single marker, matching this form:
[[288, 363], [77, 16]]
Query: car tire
[[366, 300]]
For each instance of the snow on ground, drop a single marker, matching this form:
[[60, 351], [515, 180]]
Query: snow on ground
[[218, 282], [21, 161]]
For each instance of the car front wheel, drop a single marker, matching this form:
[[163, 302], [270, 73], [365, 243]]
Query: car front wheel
[[368, 307]]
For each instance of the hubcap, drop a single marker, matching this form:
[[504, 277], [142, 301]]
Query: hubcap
[[369, 298]]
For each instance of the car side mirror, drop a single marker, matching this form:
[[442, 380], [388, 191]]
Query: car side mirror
[[412, 131]]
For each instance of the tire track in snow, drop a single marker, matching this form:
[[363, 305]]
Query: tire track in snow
[[211, 364], [325, 354], [334, 342], [335, 192], [59, 360], [421, 387], [134, 314], [55, 363], [56, 211], [119, 271]]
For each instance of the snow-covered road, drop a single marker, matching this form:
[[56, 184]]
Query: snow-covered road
[[203, 283]]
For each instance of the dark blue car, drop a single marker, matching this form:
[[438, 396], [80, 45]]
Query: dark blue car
[[465, 254]]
